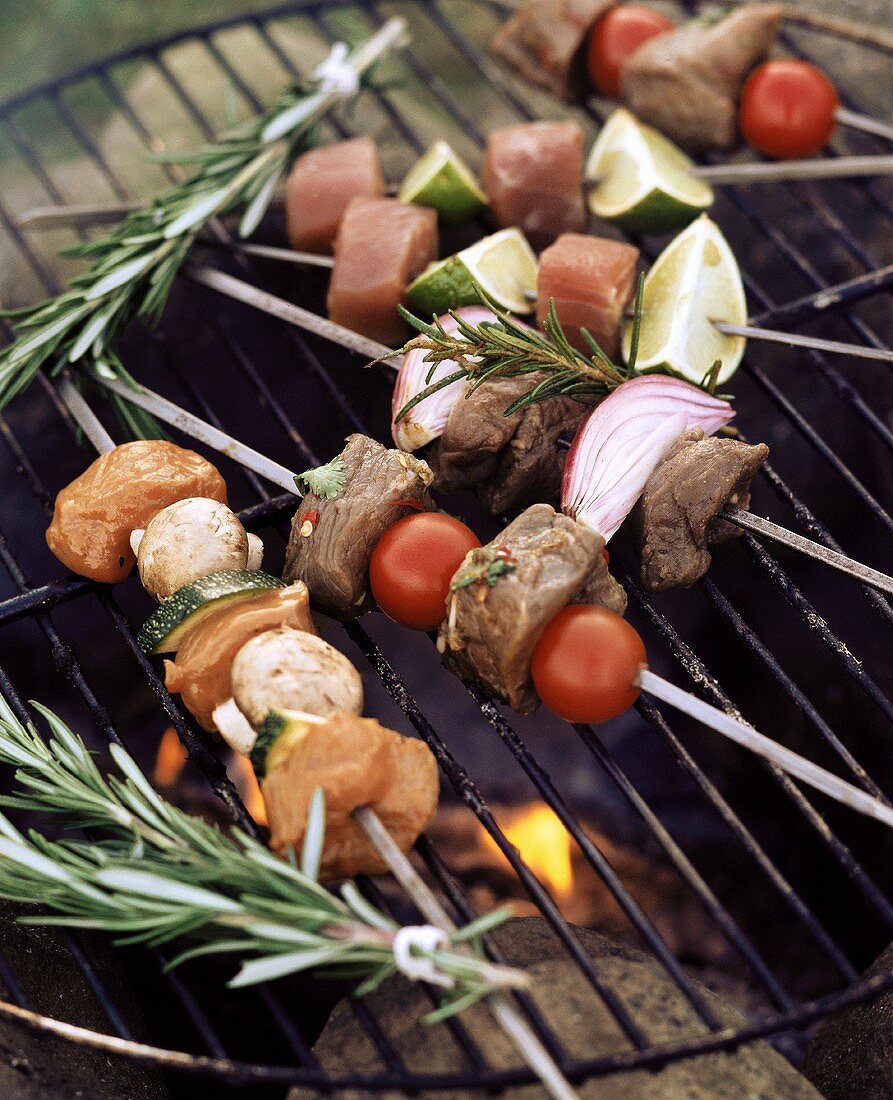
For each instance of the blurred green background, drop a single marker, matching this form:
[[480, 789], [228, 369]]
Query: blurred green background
[[43, 38]]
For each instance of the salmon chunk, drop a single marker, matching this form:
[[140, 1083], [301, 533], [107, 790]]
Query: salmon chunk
[[322, 184], [533, 176], [381, 247], [592, 281]]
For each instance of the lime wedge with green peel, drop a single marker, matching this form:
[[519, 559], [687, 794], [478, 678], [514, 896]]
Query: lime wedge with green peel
[[641, 181], [503, 265], [694, 282], [442, 180]]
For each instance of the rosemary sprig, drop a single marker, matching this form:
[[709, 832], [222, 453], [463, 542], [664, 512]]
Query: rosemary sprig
[[156, 874], [132, 268], [505, 349]]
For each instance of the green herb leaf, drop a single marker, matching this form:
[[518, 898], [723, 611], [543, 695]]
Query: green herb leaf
[[326, 482]]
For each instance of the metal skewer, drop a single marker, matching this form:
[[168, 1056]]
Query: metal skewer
[[422, 896], [198, 429], [504, 1011], [743, 734]]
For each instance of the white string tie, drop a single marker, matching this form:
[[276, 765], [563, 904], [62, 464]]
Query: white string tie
[[336, 74], [425, 937]]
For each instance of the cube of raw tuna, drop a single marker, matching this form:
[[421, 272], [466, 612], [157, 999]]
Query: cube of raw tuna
[[533, 176], [321, 185], [592, 281], [380, 248]]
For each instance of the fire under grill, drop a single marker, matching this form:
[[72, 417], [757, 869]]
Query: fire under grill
[[791, 896]]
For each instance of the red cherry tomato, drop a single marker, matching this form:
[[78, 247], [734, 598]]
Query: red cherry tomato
[[586, 665], [615, 38], [412, 566], [787, 108]]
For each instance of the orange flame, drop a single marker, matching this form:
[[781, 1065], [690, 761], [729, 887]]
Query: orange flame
[[242, 774], [543, 844], [170, 759]]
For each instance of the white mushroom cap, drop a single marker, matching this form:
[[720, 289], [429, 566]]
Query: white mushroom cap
[[188, 540], [255, 552], [289, 669]]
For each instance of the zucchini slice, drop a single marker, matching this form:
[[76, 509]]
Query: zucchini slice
[[166, 627], [279, 732]]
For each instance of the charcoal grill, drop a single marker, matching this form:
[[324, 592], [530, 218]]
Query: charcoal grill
[[804, 655]]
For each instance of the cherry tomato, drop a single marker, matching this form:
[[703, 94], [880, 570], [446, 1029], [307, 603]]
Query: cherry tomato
[[586, 665], [615, 38], [787, 108], [412, 566]]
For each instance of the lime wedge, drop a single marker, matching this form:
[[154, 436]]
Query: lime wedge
[[642, 181], [503, 265], [442, 180], [694, 281]]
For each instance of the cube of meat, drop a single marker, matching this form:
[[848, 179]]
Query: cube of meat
[[322, 184], [544, 41], [357, 762], [380, 248], [332, 540], [675, 517], [533, 176], [687, 83], [118, 493], [592, 280], [506, 593], [511, 461]]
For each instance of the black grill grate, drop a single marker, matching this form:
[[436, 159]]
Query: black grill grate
[[844, 914]]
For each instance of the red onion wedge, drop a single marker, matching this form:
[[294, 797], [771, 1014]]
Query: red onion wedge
[[427, 420], [624, 438]]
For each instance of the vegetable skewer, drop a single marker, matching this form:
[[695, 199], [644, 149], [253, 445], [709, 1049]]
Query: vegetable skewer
[[727, 725], [506, 1014]]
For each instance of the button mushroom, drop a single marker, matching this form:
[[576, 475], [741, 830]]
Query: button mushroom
[[188, 540], [291, 670]]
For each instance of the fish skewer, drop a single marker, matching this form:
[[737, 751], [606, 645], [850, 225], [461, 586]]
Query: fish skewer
[[82, 216], [504, 1011], [303, 318], [727, 725]]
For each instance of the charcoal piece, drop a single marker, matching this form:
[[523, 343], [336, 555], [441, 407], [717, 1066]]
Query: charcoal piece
[[38, 1066], [578, 1016], [852, 1053]]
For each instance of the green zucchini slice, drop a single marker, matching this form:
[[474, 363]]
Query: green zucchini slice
[[166, 627]]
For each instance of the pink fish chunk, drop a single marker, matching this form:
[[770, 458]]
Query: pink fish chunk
[[592, 281], [322, 184], [533, 176], [381, 247]]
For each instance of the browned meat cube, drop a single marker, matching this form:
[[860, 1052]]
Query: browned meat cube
[[332, 540], [533, 176], [506, 593], [511, 461], [676, 515], [380, 248], [544, 41], [322, 184], [591, 280], [687, 83], [357, 762], [119, 492]]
